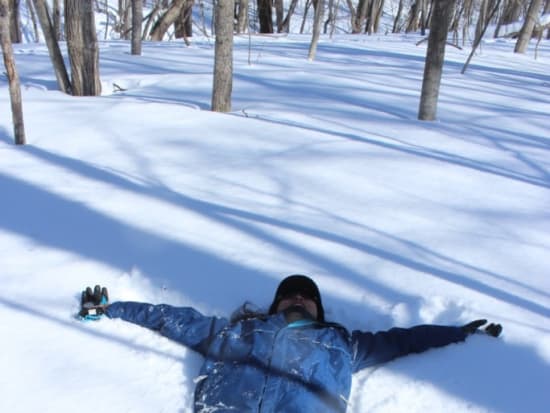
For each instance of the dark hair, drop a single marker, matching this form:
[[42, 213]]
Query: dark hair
[[247, 311]]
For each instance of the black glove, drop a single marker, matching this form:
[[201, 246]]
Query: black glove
[[93, 303], [473, 327]]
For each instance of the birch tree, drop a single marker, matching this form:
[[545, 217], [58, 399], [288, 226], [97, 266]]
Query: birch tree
[[13, 77]]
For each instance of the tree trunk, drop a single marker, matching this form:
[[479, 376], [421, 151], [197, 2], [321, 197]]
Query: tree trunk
[[528, 26], [242, 16], [412, 21], [15, 25], [304, 17], [547, 10], [223, 60], [482, 17], [331, 18], [319, 6], [127, 34], [56, 57], [13, 78], [30, 8], [373, 17], [184, 23], [279, 13], [435, 56], [124, 18], [150, 19], [396, 25], [161, 26], [56, 12], [360, 16], [483, 25], [265, 15], [424, 17], [538, 32], [510, 14], [83, 48], [285, 25], [137, 17]]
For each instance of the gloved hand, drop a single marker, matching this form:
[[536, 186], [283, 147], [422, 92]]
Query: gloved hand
[[473, 327], [93, 303]]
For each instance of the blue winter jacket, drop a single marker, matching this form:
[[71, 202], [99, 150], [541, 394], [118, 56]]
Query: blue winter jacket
[[267, 365]]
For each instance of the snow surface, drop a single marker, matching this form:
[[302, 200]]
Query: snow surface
[[322, 168]]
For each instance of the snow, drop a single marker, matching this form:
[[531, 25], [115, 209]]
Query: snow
[[321, 168]]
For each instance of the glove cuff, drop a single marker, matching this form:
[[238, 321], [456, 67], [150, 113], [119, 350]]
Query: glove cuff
[[92, 313]]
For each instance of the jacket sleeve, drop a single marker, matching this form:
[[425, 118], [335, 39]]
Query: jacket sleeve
[[182, 324], [369, 349]]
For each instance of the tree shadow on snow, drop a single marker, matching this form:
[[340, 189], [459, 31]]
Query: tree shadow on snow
[[58, 222], [72, 226], [490, 373]]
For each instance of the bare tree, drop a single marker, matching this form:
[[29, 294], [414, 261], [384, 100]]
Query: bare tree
[[319, 6], [56, 18], [413, 19], [279, 13], [223, 60], [242, 15], [150, 18], [125, 18], [265, 14], [15, 25], [137, 17], [32, 12], [331, 18], [528, 26], [396, 21], [50, 37], [80, 32], [435, 56], [482, 26], [540, 28], [184, 23], [511, 13], [374, 15], [285, 24], [359, 15], [13, 77], [172, 14]]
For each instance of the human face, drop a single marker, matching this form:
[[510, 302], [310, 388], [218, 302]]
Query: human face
[[298, 299]]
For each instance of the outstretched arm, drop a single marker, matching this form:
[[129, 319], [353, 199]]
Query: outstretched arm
[[374, 348], [182, 324]]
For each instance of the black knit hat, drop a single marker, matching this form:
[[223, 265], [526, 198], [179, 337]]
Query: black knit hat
[[298, 283]]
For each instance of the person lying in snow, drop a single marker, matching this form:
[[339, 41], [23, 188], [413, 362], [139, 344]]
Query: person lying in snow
[[288, 360]]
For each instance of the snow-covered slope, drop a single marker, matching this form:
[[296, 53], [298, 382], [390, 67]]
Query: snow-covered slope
[[322, 169]]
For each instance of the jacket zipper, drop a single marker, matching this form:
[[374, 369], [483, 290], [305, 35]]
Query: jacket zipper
[[268, 367]]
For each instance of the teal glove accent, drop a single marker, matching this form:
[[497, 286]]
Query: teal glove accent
[[93, 303]]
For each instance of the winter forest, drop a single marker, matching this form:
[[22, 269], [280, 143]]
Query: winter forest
[[74, 21], [196, 152]]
